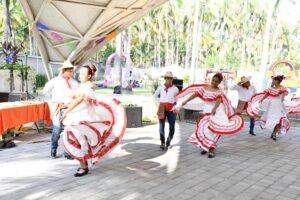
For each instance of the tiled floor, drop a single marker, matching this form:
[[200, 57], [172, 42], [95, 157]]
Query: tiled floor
[[245, 167]]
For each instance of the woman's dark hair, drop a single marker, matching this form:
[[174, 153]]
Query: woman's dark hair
[[219, 76], [278, 78], [91, 69]]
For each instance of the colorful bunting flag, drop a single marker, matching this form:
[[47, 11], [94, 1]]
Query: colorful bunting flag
[[42, 26], [32, 26], [111, 35], [56, 36], [69, 44], [100, 40]]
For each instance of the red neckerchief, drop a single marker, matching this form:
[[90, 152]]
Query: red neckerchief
[[167, 87]]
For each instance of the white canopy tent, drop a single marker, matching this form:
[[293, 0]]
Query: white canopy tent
[[76, 29]]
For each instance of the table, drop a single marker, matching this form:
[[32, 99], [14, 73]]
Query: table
[[13, 114]]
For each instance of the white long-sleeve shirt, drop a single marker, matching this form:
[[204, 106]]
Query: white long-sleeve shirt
[[60, 89], [166, 97], [244, 93]]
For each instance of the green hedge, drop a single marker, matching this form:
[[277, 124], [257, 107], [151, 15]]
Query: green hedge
[[40, 80]]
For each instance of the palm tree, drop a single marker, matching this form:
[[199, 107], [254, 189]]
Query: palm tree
[[7, 34], [264, 58], [195, 41], [7, 40]]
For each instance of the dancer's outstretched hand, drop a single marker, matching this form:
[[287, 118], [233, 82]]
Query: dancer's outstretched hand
[[62, 106], [176, 108]]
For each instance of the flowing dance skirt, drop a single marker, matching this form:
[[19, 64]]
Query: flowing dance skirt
[[274, 111], [209, 127], [93, 138]]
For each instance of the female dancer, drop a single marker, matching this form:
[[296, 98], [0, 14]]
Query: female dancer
[[93, 127], [275, 108], [218, 118]]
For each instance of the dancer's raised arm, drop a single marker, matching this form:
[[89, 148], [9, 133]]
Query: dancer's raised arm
[[193, 96], [266, 95]]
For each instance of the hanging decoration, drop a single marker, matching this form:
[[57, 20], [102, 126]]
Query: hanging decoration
[[108, 37], [100, 40], [56, 36], [69, 44], [111, 35], [42, 26], [32, 26]]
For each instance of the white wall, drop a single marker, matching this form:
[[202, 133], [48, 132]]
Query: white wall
[[4, 82]]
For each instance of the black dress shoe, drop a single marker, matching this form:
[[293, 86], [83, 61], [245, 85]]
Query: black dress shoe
[[53, 153], [68, 157], [211, 155], [252, 133], [273, 137], [203, 152], [167, 145], [81, 172], [163, 146]]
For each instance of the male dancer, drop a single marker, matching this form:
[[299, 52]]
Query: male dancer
[[60, 88], [245, 91], [166, 96]]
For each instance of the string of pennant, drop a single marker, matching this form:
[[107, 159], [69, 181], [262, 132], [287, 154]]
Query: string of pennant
[[56, 36]]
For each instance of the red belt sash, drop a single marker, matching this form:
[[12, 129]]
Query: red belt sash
[[164, 106]]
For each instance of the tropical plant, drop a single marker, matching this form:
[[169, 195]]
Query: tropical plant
[[9, 48], [232, 34]]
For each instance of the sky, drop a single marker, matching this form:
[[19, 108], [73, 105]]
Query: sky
[[289, 11]]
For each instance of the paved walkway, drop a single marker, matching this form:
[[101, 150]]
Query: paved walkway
[[245, 167]]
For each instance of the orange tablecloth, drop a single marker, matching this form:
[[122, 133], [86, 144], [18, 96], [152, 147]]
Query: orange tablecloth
[[13, 114]]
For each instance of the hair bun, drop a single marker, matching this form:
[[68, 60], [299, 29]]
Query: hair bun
[[91, 68], [94, 68], [279, 78], [219, 76]]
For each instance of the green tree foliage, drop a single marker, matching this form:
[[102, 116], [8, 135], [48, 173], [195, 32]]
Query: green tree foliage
[[232, 34], [19, 23]]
